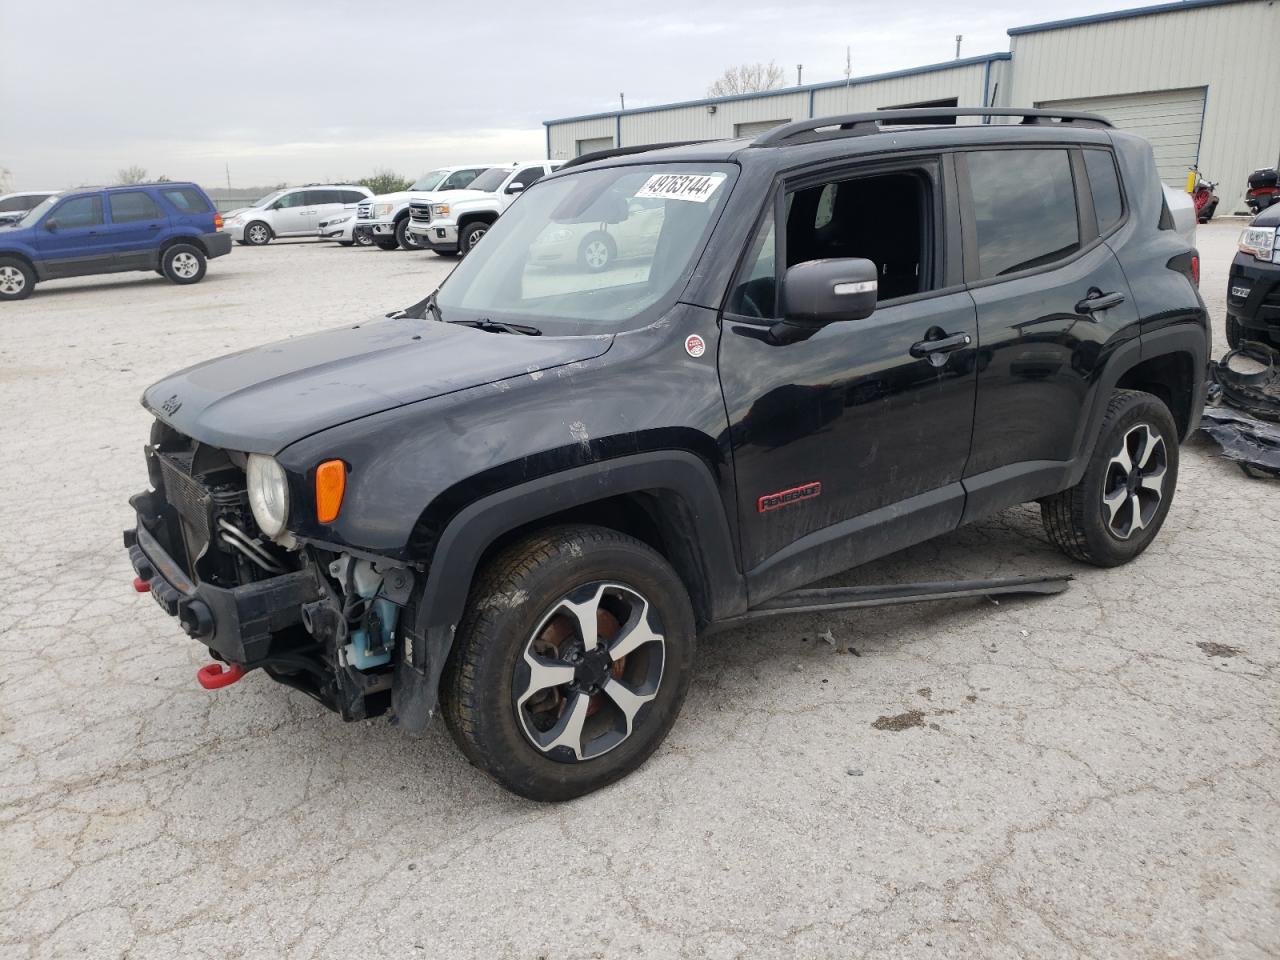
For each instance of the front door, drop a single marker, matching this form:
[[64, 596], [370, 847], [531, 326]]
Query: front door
[[133, 233], [71, 239], [294, 215], [851, 444]]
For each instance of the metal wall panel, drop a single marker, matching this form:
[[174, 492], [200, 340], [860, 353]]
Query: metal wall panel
[[1224, 48], [563, 137], [963, 83], [699, 123], [1170, 120]]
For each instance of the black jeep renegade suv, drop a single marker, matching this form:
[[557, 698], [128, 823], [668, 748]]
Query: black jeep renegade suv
[[523, 499]]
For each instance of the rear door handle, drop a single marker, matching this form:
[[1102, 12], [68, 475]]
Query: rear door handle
[[1097, 300], [943, 345]]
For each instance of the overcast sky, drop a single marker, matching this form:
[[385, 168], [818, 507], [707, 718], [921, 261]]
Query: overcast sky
[[285, 91]]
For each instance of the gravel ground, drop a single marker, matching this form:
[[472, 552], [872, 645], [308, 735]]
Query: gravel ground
[[1094, 774]]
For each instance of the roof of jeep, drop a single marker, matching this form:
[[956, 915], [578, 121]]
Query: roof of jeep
[[840, 145]]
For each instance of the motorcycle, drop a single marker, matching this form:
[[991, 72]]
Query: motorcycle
[[1263, 189], [1202, 195]]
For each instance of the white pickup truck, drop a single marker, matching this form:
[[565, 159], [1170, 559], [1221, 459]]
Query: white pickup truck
[[386, 216], [453, 224]]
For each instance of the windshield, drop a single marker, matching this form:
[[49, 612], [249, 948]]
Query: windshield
[[39, 210], [592, 251], [268, 198], [491, 179], [429, 181]]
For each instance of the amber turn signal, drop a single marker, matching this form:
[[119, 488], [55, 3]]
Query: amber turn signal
[[217, 221], [331, 484]]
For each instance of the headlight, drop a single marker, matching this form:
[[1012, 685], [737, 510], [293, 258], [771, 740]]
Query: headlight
[[383, 209], [558, 236], [1260, 242], [440, 209], [237, 220], [334, 223], [268, 494]]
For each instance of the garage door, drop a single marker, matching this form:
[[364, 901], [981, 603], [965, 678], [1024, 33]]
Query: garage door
[[1170, 119], [592, 144], [757, 127]]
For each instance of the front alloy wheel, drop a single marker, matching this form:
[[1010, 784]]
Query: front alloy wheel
[[588, 668], [571, 661]]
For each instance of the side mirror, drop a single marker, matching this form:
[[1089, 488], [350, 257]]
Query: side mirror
[[818, 292], [515, 187], [51, 226]]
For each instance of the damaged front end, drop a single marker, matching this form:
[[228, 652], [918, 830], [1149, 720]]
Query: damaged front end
[[321, 621], [1243, 413]]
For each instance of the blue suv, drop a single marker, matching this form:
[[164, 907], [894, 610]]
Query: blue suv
[[171, 228]]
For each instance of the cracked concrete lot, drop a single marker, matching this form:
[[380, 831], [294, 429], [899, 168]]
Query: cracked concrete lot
[[1095, 774]]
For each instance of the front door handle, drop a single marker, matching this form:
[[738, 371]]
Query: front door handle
[[936, 349], [1097, 300]]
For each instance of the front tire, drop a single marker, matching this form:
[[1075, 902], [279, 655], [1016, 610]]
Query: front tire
[[407, 240], [471, 235], [1235, 335], [257, 234], [17, 279], [1120, 503], [183, 263], [571, 662], [596, 252], [386, 244]]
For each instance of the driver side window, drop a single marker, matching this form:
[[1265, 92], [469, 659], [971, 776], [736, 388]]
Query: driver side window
[[78, 212], [295, 199]]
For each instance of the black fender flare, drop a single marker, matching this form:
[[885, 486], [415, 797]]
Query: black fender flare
[[1186, 338], [433, 616]]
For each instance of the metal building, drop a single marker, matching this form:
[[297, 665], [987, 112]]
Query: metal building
[[1200, 79]]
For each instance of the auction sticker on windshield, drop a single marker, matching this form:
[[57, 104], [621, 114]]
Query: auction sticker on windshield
[[697, 187]]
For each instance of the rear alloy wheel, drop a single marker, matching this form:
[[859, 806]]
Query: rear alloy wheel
[[16, 279], [405, 237], [257, 234], [470, 236], [362, 237], [183, 263], [571, 662], [1120, 503]]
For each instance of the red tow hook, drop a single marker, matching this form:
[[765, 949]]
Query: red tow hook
[[142, 586], [212, 677]]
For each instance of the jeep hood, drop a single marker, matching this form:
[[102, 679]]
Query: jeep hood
[[263, 399]]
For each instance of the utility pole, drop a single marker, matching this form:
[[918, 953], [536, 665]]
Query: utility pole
[[959, 37], [848, 65], [622, 99], [228, 178], [799, 74]]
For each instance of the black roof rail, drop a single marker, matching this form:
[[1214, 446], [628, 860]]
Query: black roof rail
[[624, 152], [863, 124]]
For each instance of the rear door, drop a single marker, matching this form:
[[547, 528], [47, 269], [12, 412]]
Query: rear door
[[135, 224], [326, 203], [71, 239], [1052, 303], [851, 444]]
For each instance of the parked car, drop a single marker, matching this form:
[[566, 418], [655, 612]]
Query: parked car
[[1253, 283], [171, 228], [519, 502], [346, 228], [291, 212], [14, 206], [387, 215], [454, 224], [596, 247]]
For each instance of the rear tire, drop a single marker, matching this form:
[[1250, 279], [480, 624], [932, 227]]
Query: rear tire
[[361, 237], [257, 234], [1120, 503], [382, 244], [567, 717], [17, 279], [406, 239], [183, 263], [1235, 335]]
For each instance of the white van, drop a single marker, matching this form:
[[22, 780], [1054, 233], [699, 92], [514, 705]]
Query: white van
[[291, 212]]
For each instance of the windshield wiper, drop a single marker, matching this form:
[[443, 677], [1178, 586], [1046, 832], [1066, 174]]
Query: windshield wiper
[[497, 326]]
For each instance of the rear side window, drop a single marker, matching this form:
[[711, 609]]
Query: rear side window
[[350, 196], [21, 203], [132, 206], [1104, 184], [78, 212], [1024, 206], [186, 200]]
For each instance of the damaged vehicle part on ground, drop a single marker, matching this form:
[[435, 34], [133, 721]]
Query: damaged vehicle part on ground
[[1243, 415], [520, 502]]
